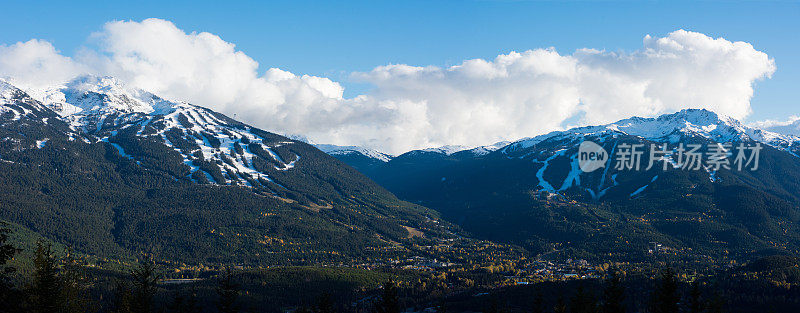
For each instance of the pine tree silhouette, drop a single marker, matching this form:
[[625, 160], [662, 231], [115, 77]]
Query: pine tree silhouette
[[304, 309], [695, 302], [613, 293], [73, 285], [9, 296], [123, 298], [442, 308], [665, 297], [191, 301], [182, 303], [325, 304], [560, 306], [583, 301], [45, 291], [144, 279], [178, 304], [538, 303], [716, 304], [390, 303], [228, 291]]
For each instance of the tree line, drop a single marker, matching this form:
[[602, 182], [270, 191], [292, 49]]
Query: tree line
[[60, 284]]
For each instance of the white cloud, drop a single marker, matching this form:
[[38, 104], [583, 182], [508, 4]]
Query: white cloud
[[476, 102], [523, 94], [36, 63], [787, 127]]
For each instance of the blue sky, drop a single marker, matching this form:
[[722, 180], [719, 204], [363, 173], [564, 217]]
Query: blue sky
[[335, 39]]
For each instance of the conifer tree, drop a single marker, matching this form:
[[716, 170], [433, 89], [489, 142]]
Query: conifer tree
[[442, 308], [304, 309], [613, 293], [144, 279], [182, 303], [583, 301], [493, 307], [178, 304], [123, 298], [389, 303], [9, 296], [538, 303], [228, 291], [45, 291], [325, 304], [665, 297], [716, 304], [73, 285], [560, 307], [695, 303], [191, 301]]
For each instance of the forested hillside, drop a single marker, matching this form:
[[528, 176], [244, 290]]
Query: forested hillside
[[118, 183], [533, 193]]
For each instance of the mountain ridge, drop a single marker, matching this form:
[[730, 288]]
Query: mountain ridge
[[697, 122], [532, 192], [120, 177]]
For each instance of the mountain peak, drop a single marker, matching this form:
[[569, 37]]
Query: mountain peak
[[672, 128], [7, 90], [16, 102], [100, 94], [447, 150], [345, 150]]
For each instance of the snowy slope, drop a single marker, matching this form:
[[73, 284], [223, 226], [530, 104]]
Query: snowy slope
[[556, 153], [671, 128], [14, 103], [791, 127], [92, 94], [213, 148], [348, 150], [446, 150], [88, 101], [473, 151], [483, 150]]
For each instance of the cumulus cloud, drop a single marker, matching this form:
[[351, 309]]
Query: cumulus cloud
[[36, 63], [522, 94], [515, 95]]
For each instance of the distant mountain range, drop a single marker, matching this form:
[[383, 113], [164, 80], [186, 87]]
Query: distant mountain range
[[533, 193], [116, 171], [792, 127]]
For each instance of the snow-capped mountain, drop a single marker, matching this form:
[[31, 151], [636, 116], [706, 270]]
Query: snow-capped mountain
[[215, 149], [483, 150], [370, 155], [459, 149], [94, 95], [185, 141], [14, 102], [446, 150], [670, 128], [686, 126], [351, 150], [533, 191], [791, 127], [131, 170], [551, 160]]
